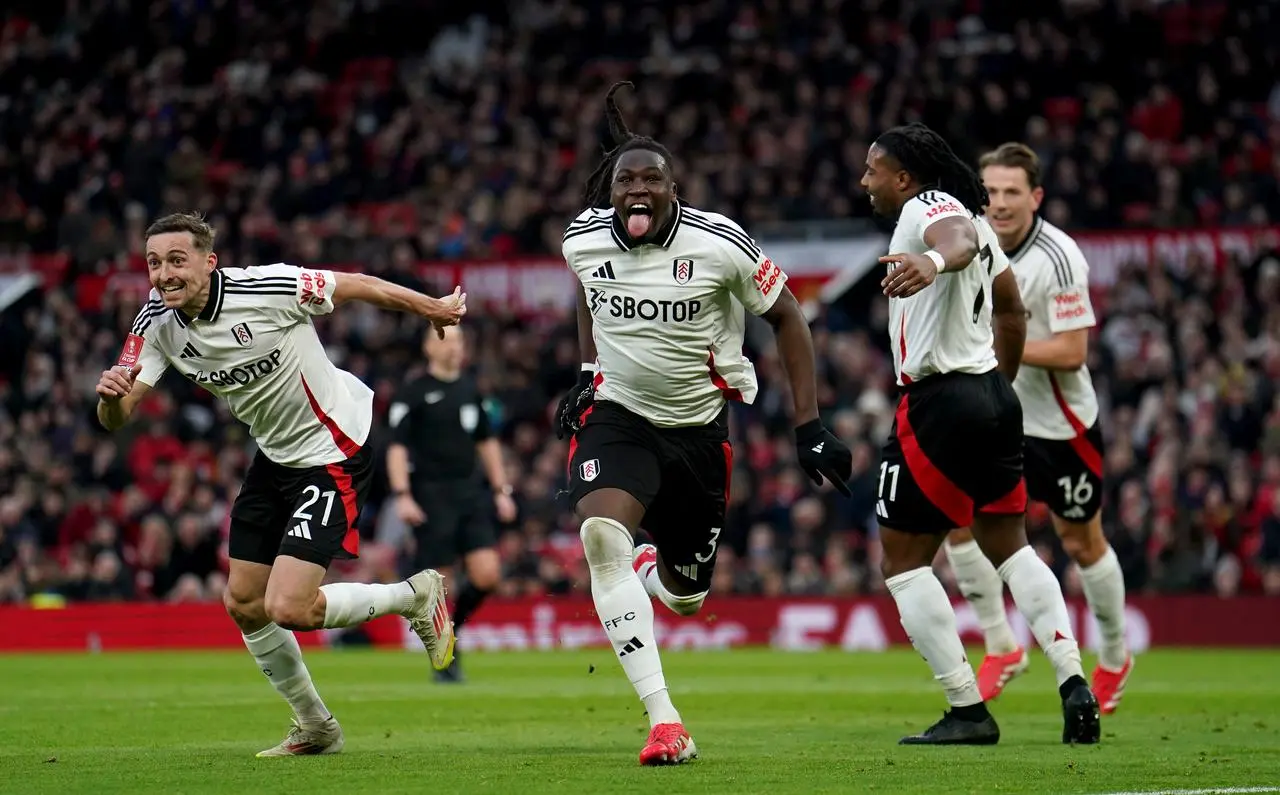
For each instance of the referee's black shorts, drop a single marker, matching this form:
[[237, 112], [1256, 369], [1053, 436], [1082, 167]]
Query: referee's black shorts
[[460, 520]]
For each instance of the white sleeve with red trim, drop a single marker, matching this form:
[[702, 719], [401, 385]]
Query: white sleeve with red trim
[[753, 278], [1069, 307], [312, 289]]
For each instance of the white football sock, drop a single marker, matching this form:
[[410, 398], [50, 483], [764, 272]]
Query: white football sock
[[1038, 596], [680, 605], [930, 623], [280, 658], [982, 588], [1104, 589], [626, 613], [349, 603]]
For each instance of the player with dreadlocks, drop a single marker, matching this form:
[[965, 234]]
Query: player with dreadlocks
[[954, 458], [661, 315]]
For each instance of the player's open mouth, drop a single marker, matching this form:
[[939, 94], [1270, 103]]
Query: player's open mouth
[[171, 289], [639, 219]]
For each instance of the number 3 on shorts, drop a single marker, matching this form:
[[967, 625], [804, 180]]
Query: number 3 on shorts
[[711, 551]]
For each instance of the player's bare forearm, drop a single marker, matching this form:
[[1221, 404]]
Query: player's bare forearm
[[795, 346], [586, 327], [1009, 322], [1065, 350], [383, 294], [398, 467], [490, 452], [1010, 336], [112, 414], [956, 239]]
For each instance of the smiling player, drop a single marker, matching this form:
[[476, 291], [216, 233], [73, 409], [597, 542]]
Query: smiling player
[[245, 334], [1063, 446], [661, 315]]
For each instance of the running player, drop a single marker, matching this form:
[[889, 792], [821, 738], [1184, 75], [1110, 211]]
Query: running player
[[660, 323], [245, 334], [954, 458], [1063, 446]]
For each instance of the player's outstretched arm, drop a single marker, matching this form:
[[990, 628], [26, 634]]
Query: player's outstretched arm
[[953, 244], [119, 393], [441, 312], [819, 452], [1009, 322]]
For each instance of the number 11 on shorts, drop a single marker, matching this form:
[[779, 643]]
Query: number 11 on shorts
[[892, 472]]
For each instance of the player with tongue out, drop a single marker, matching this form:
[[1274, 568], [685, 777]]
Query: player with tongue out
[[661, 314]]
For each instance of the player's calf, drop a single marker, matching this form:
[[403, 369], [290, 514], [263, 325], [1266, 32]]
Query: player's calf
[[648, 568]]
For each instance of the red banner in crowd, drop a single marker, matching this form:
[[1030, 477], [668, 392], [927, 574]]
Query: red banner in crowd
[[788, 624], [1107, 252]]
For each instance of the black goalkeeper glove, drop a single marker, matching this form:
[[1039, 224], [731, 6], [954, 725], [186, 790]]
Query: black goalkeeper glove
[[573, 404], [821, 454]]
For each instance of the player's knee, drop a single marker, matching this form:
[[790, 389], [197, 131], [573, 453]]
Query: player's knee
[[292, 613], [606, 542], [1083, 542], [246, 609], [683, 605], [484, 575]]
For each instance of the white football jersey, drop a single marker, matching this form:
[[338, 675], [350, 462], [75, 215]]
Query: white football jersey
[[255, 347], [1053, 278], [946, 327], [668, 319]]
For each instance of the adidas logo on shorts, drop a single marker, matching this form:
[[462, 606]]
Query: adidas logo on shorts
[[301, 530]]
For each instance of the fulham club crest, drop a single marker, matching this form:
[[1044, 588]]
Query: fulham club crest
[[682, 270], [590, 469], [242, 334]]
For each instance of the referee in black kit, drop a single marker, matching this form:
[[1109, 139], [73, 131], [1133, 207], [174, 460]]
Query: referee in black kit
[[438, 426]]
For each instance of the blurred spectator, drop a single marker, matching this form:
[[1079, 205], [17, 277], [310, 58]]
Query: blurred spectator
[[344, 132]]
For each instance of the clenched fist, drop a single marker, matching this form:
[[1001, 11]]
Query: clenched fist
[[117, 382]]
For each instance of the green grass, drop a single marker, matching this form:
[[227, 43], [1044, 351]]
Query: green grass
[[544, 723]]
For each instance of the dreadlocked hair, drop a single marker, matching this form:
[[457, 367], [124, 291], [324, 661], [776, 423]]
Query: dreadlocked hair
[[621, 139], [929, 158]]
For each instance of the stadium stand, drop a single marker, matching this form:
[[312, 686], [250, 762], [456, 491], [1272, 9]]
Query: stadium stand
[[385, 135]]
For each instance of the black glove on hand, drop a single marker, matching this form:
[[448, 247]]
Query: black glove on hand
[[575, 401], [821, 453]]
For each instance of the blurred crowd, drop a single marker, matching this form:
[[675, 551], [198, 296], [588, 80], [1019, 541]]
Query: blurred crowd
[[349, 131], [381, 134]]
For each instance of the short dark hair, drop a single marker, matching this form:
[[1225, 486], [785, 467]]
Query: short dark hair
[[596, 191], [202, 233], [1015, 155], [926, 156]]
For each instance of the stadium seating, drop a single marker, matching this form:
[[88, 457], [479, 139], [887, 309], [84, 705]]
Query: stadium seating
[[340, 133]]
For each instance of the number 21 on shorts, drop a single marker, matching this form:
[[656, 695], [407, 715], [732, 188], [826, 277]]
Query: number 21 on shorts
[[303, 528]]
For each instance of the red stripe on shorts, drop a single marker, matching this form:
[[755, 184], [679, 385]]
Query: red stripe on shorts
[[1013, 502], [346, 490], [937, 487]]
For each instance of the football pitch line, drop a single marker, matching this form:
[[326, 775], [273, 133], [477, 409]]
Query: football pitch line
[[1207, 791]]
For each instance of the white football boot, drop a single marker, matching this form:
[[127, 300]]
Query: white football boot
[[429, 617], [320, 738]]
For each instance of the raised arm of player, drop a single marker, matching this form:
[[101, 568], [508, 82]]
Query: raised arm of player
[[119, 393], [953, 237], [441, 312], [1009, 323]]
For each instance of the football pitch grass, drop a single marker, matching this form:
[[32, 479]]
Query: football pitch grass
[[568, 722]]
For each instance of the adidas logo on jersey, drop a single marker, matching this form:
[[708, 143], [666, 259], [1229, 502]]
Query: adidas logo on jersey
[[301, 530], [605, 271], [189, 352], [632, 645]]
